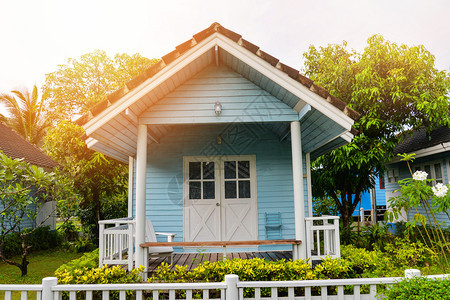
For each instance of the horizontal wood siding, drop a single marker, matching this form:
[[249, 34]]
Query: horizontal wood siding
[[242, 101], [318, 130], [273, 167], [404, 173]]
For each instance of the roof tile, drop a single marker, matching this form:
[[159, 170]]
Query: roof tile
[[15, 146], [249, 46], [336, 102], [420, 139], [84, 119], [229, 34], [206, 33], [267, 57], [319, 90], [170, 57], [354, 131], [114, 96], [133, 83], [304, 80], [99, 107], [351, 113], [293, 73], [150, 72], [183, 47]]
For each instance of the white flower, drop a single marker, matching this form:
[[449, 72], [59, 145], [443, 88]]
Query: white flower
[[420, 175], [440, 190]]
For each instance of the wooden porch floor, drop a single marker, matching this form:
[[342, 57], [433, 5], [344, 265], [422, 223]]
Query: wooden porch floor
[[192, 260]]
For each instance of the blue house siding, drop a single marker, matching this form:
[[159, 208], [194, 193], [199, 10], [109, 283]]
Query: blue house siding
[[273, 169], [404, 173], [241, 99]]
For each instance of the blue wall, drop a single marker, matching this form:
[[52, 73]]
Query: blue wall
[[365, 198], [404, 172], [273, 168]]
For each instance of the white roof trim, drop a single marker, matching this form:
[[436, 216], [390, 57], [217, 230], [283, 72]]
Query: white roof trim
[[442, 147], [286, 82], [148, 85], [244, 55]]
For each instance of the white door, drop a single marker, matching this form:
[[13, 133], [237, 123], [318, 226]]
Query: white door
[[220, 198]]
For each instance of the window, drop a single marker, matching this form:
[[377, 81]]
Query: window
[[237, 179], [201, 180], [392, 175], [434, 170]]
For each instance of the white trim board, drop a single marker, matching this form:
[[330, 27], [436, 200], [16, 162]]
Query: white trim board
[[443, 147], [239, 52], [140, 91]]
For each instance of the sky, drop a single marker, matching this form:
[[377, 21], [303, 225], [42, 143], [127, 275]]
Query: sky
[[38, 35]]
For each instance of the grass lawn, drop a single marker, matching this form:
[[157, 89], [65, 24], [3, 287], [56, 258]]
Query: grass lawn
[[42, 264]]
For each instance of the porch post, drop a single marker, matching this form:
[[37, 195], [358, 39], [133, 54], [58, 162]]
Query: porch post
[[299, 193], [141, 169], [130, 186]]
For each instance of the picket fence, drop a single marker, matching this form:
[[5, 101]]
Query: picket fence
[[230, 289]]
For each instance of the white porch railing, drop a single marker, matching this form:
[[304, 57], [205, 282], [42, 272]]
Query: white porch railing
[[230, 289], [322, 237], [116, 245], [116, 242]]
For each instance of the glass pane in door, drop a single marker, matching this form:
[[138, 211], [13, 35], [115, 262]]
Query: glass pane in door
[[195, 190], [230, 189]]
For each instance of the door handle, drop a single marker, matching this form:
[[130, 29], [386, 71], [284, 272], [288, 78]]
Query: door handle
[[217, 204]]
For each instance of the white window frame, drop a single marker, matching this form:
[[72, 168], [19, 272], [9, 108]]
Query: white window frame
[[392, 175], [421, 166]]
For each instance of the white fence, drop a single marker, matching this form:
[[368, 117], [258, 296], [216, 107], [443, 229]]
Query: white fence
[[322, 237], [231, 289]]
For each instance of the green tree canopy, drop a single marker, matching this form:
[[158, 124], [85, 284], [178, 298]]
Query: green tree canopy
[[394, 87], [94, 176], [27, 114], [81, 83]]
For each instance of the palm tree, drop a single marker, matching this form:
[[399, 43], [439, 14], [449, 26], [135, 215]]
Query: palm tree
[[27, 114]]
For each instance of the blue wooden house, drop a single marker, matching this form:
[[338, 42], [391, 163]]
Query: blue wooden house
[[432, 153], [219, 135]]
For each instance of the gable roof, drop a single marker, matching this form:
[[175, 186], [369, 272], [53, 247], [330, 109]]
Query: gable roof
[[420, 140], [236, 38], [111, 126], [15, 146]]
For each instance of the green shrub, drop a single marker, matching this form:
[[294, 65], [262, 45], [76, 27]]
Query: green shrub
[[256, 269], [41, 238], [406, 254], [89, 260], [366, 264], [331, 268], [104, 275], [420, 288]]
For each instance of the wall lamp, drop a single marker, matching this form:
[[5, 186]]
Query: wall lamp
[[218, 108]]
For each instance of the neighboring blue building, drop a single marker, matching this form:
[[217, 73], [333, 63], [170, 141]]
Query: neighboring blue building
[[377, 194], [432, 152], [15, 146], [218, 134]]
